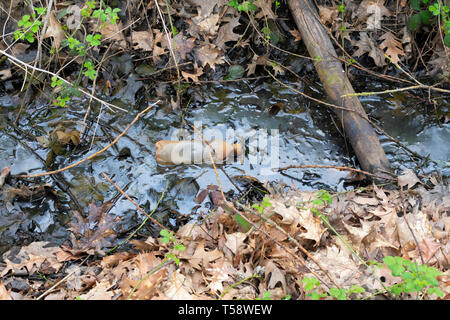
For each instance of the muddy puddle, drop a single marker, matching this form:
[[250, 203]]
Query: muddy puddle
[[278, 127]]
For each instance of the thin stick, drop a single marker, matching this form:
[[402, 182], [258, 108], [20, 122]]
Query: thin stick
[[133, 202], [93, 155], [302, 166], [143, 222], [14, 59], [60, 281]]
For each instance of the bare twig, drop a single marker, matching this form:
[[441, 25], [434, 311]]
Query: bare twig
[[92, 155], [26, 65]]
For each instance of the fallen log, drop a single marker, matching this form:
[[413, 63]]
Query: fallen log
[[359, 132]]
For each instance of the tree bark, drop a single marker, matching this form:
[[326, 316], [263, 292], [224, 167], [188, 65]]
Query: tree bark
[[360, 133]]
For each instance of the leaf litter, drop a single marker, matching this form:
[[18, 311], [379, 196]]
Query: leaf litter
[[222, 261]]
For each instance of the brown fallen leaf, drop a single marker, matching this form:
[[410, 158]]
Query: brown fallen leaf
[[235, 241], [256, 61], [4, 173], [328, 14], [408, 178], [4, 294], [193, 76], [183, 45], [226, 33], [219, 273], [54, 30], [37, 256], [208, 25], [143, 40], [367, 45], [158, 50], [178, 287], [209, 54], [95, 232], [112, 32], [266, 9], [5, 74], [275, 275], [393, 47], [101, 291], [371, 12], [200, 258]]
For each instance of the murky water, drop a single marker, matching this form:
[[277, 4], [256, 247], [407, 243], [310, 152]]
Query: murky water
[[279, 127]]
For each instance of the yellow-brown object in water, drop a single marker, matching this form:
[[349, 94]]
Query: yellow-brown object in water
[[194, 151]]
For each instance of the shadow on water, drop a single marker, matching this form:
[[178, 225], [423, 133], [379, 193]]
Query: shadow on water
[[279, 128]]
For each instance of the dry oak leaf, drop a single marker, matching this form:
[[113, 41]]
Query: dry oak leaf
[[209, 54], [54, 30], [112, 32], [95, 232], [235, 241], [193, 76], [304, 218], [407, 178], [420, 228], [183, 45], [367, 45], [296, 34], [207, 6], [179, 287], [374, 11], [4, 294], [99, 292], [219, 273], [37, 256], [256, 61], [208, 25], [266, 9], [393, 46], [344, 270], [5, 74], [226, 33], [160, 38], [192, 231], [328, 14], [142, 40], [275, 275], [200, 258]]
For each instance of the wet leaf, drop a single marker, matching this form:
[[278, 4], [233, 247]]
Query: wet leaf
[[95, 232]]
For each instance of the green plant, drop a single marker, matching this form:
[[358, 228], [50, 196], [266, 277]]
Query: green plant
[[246, 6], [311, 284], [90, 71], [430, 13], [264, 204], [167, 237], [421, 279], [417, 278], [29, 26], [93, 40]]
